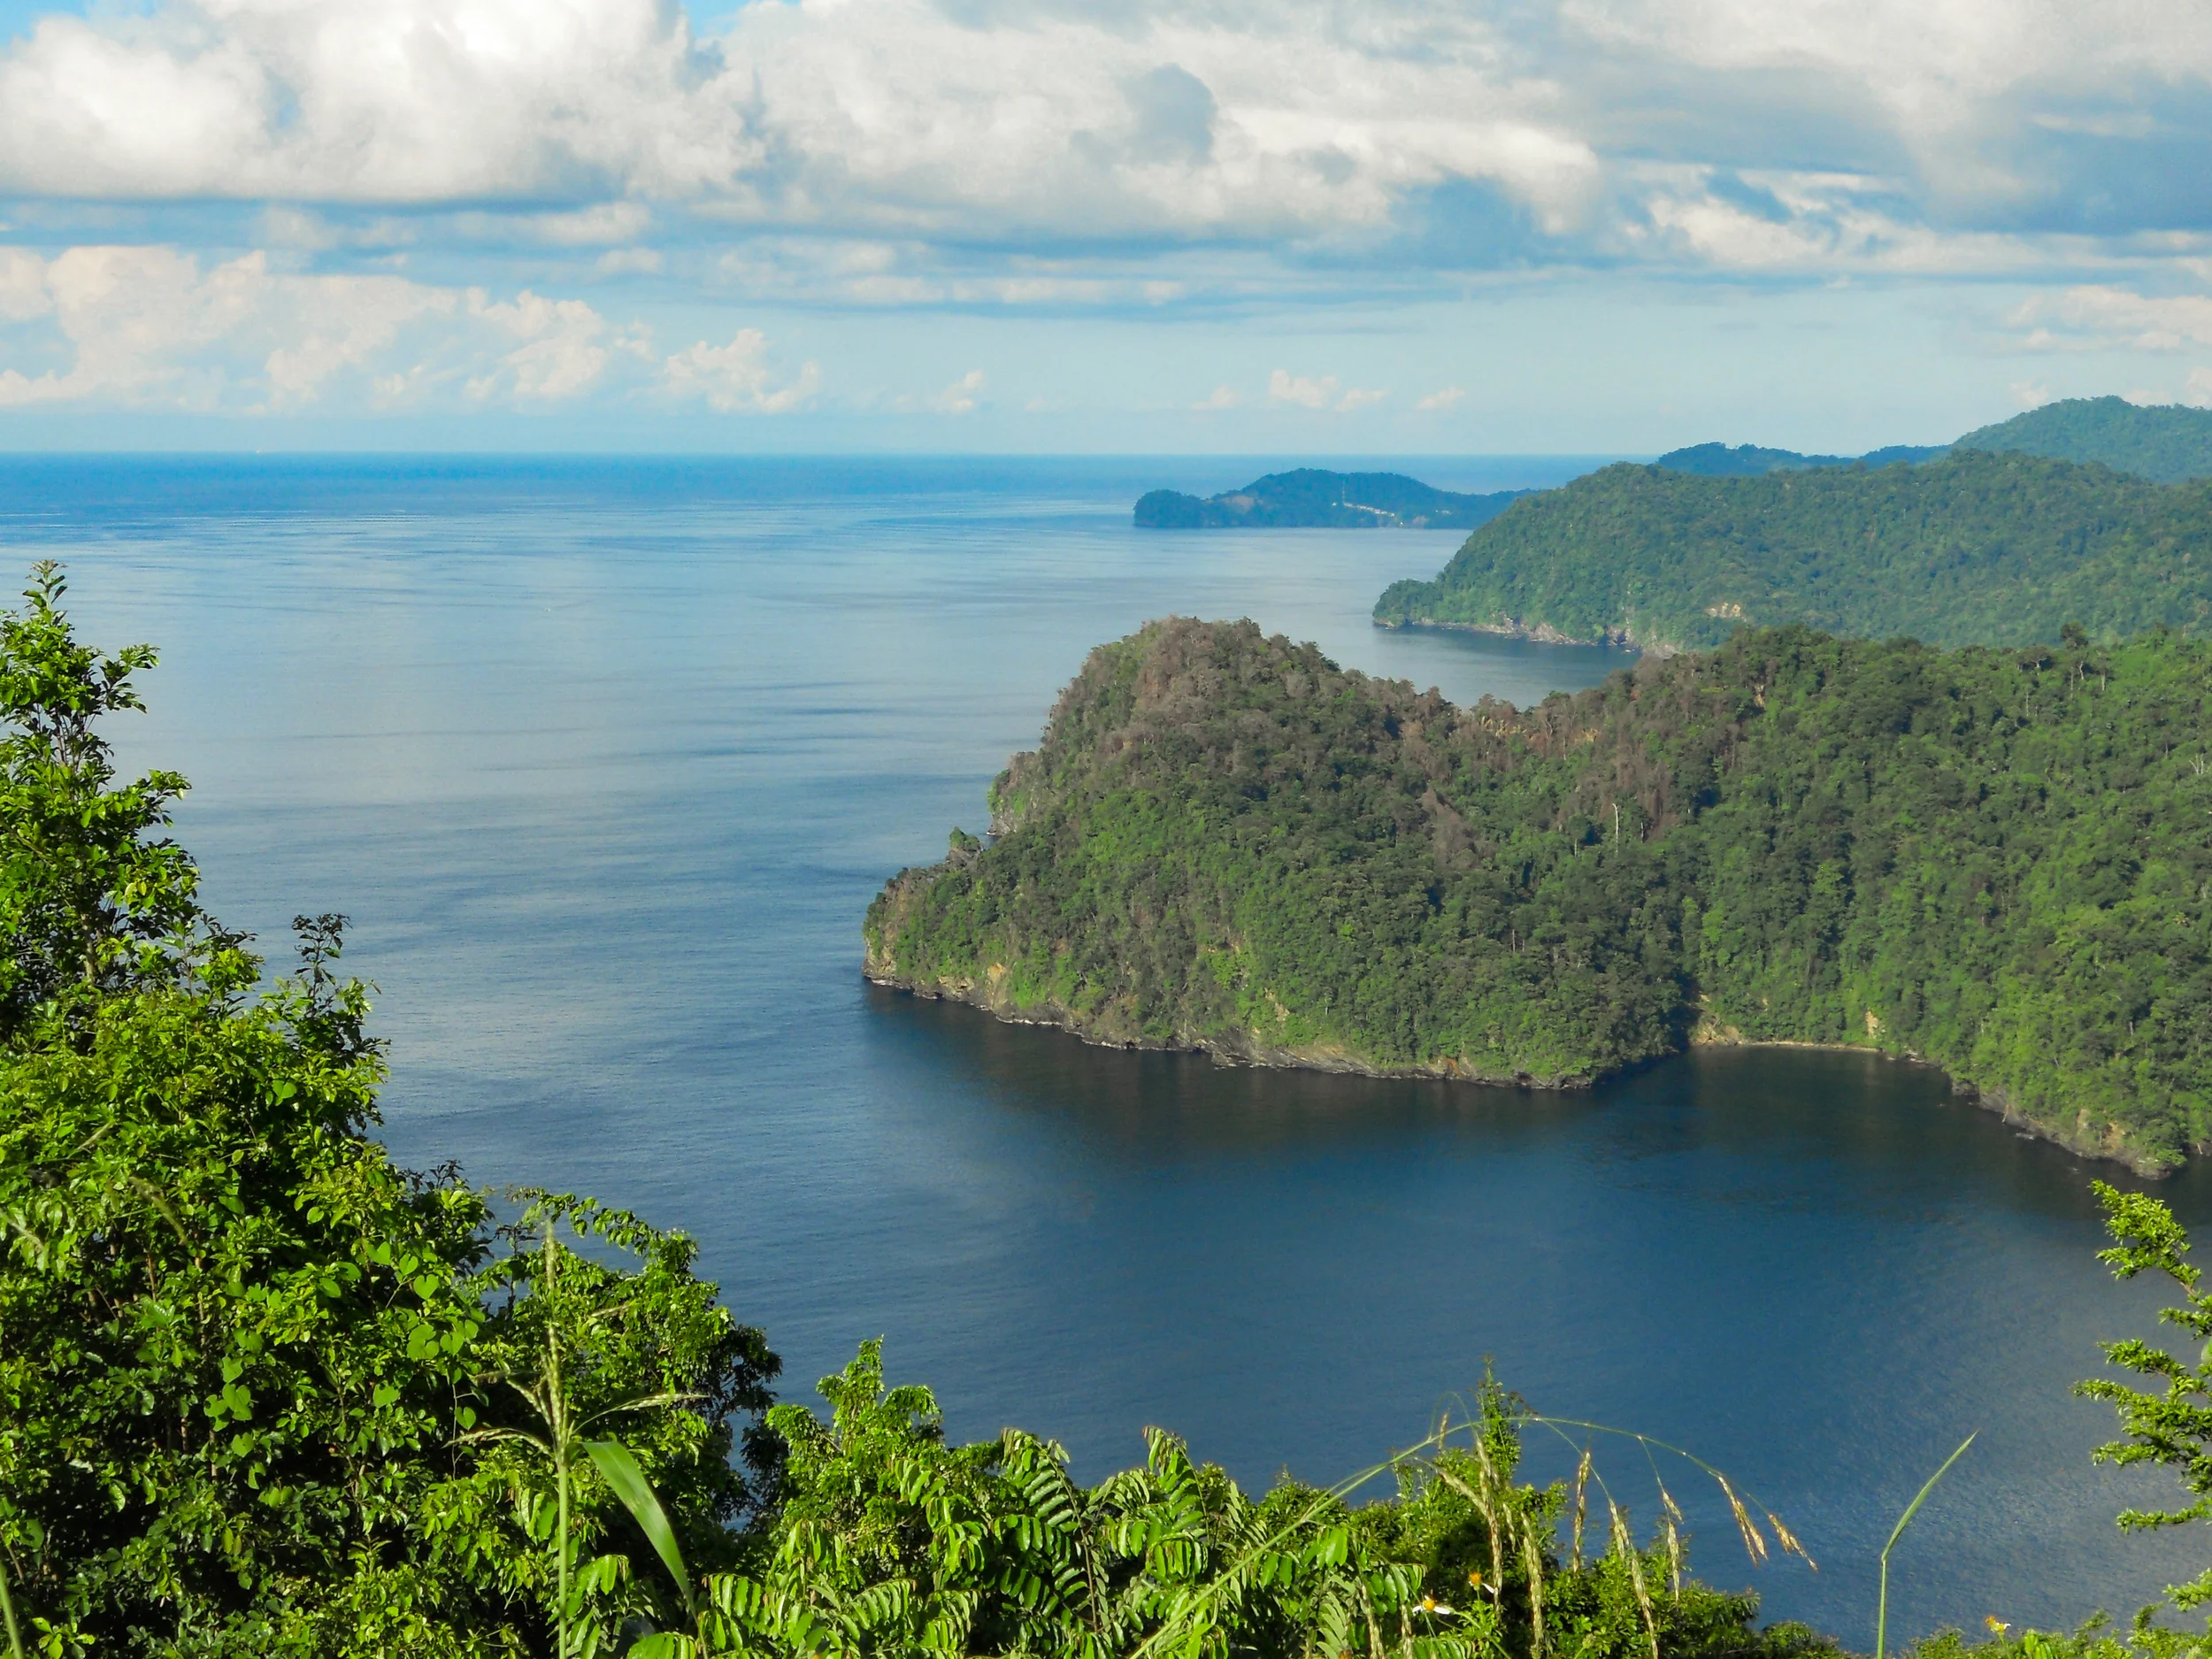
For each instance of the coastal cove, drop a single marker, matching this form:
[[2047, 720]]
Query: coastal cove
[[606, 759]]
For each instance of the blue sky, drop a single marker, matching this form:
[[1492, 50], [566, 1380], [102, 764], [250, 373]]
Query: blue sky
[[1241, 225]]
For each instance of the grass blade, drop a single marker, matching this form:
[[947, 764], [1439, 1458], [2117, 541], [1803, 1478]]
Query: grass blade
[[1881, 1616], [628, 1481]]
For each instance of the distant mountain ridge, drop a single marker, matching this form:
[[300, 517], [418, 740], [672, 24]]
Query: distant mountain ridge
[[1978, 548], [1309, 498], [1748, 460], [2168, 443]]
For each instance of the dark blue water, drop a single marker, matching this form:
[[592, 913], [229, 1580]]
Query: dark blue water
[[605, 760]]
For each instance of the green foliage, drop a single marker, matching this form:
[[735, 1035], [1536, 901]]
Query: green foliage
[[90, 901], [892, 1542], [2170, 1424], [260, 1390], [1992, 860], [2168, 443], [2094, 1640], [1974, 549]]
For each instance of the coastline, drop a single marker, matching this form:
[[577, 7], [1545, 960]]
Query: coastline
[[1621, 637], [2111, 1148]]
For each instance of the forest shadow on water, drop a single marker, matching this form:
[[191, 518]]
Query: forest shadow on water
[[1819, 1269]]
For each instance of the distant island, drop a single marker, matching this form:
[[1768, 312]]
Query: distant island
[[1975, 548], [1312, 499], [1747, 460], [1991, 859]]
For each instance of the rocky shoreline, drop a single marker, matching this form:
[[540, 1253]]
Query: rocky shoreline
[[982, 996], [1622, 637]]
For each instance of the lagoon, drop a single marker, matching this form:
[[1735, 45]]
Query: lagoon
[[605, 759]]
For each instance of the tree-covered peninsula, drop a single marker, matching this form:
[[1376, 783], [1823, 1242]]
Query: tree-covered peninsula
[[1974, 549], [1309, 498], [1994, 860]]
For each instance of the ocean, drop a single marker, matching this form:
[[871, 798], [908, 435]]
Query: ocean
[[605, 759]]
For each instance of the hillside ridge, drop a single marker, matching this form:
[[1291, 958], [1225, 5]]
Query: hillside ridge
[[1991, 860]]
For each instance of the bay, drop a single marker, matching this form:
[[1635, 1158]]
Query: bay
[[605, 758]]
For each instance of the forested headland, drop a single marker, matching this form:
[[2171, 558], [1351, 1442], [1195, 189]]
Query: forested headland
[[1994, 860], [1976, 548]]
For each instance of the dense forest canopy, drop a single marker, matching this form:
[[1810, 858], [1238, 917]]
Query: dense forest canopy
[[1309, 498], [2168, 442], [1992, 859], [1973, 548]]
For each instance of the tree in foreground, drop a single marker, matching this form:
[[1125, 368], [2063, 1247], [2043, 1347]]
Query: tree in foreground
[[261, 1390]]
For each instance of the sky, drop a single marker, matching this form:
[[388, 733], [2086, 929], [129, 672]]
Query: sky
[[1393, 227]]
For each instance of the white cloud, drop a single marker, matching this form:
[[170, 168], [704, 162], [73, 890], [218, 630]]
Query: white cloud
[[153, 327], [2099, 317], [829, 112], [2031, 393], [738, 376], [1442, 398], [1319, 392], [1283, 386], [2198, 391], [629, 262], [887, 153], [562, 348], [1220, 397], [961, 397]]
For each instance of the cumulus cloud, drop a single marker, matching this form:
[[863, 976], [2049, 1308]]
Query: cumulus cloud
[[155, 327], [888, 152], [2198, 391], [1306, 391], [1220, 397], [961, 397], [1442, 398], [2097, 318], [739, 376]]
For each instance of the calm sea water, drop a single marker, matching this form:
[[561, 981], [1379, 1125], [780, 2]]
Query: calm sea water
[[605, 760]]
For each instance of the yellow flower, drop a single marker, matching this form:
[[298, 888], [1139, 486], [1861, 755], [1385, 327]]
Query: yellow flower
[[1997, 1626], [1475, 1578]]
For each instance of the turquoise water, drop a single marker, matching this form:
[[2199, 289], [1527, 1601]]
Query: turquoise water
[[605, 760]]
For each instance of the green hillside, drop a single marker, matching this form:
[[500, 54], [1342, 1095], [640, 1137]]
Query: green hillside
[[1994, 859], [2168, 443], [1976, 548]]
